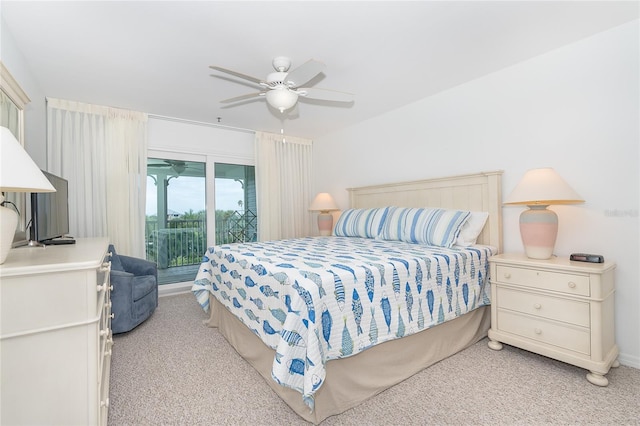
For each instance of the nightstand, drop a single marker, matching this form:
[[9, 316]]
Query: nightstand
[[557, 308]]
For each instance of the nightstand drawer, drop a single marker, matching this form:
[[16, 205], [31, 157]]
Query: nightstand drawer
[[545, 280], [569, 337], [555, 308]]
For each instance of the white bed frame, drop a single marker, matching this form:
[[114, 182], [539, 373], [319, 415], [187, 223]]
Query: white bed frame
[[352, 380]]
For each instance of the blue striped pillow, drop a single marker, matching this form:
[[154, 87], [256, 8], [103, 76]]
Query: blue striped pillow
[[436, 227], [365, 223]]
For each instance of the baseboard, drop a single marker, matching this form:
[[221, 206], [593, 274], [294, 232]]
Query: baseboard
[[629, 360], [175, 288]]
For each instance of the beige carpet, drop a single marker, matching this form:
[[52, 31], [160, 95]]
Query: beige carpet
[[173, 370]]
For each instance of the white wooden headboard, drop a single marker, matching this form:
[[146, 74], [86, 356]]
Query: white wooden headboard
[[474, 192]]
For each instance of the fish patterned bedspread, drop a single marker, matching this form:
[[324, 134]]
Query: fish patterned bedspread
[[321, 298]]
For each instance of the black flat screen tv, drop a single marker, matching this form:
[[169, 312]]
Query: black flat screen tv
[[50, 211]]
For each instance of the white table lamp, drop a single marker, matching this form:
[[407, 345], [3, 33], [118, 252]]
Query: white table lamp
[[18, 173], [538, 189], [324, 204]]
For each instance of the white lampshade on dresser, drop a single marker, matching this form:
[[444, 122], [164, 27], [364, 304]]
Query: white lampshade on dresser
[[18, 173], [538, 189], [324, 204]]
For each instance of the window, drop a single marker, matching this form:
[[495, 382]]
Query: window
[[177, 213], [236, 211]]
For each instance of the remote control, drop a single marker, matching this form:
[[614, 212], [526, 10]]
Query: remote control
[[585, 257]]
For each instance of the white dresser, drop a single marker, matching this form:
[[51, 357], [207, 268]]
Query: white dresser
[[55, 335], [558, 308]]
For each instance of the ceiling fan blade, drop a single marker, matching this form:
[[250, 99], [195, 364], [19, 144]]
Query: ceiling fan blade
[[242, 98], [325, 94], [237, 74], [304, 73]]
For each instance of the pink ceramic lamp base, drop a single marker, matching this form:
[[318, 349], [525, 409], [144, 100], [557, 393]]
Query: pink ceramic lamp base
[[325, 223], [538, 229]]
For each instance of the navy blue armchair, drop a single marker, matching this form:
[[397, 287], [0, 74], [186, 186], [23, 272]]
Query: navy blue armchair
[[135, 291]]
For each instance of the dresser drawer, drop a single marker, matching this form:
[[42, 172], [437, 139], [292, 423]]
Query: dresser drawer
[[564, 336], [555, 308], [546, 280]]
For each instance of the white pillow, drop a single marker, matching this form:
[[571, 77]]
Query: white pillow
[[471, 229]]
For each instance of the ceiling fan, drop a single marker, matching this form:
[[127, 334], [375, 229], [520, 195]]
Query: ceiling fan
[[282, 88], [177, 166]]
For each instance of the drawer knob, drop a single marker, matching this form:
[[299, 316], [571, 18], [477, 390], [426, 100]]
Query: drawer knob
[[507, 275], [572, 284], [537, 331], [537, 306]]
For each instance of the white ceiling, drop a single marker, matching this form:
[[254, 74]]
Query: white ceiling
[[154, 56]]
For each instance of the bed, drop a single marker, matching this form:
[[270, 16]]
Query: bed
[[331, 321]]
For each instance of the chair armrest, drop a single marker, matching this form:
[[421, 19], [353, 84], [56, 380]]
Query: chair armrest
[[138, 266]]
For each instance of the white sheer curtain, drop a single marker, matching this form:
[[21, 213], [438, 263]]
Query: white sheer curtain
[[283, 186], [102, 152]]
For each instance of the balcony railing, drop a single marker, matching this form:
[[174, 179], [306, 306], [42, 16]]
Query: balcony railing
[[184, 241]]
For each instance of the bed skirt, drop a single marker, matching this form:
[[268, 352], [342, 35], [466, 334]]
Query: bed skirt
[[350, 381]]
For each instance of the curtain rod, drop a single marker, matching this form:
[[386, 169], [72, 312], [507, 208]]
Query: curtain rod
[[201, 123]]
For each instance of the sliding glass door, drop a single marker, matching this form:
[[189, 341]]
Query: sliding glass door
[[181, 221], [176, 219]]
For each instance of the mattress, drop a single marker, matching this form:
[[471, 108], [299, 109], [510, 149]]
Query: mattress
[[317, 299]]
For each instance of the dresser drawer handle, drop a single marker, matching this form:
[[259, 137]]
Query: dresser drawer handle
[[537, 306], [507, 275], [537, 331], [572, 284]]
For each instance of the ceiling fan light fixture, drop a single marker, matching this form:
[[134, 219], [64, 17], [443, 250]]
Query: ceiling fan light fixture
[[282, 98]]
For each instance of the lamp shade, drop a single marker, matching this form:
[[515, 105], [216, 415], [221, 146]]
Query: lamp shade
[[543, 186], [18, 172], [537, 189], [323, 203]]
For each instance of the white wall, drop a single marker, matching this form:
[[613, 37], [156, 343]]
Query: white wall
[[574, 109], [35, 111], [200, 138]]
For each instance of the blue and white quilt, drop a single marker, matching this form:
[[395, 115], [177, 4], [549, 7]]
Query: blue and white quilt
[[321, 298]]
